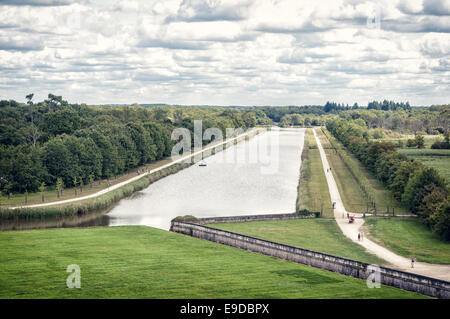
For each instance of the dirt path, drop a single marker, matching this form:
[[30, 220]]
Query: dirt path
[[352, 230], [118, 185]]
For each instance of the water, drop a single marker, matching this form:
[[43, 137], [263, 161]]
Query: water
[[225, 187], [259, 176]]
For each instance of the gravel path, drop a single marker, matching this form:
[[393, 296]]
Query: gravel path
[[351, 231], [118, 185]]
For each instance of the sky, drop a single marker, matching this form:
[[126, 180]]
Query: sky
[[226, 52]]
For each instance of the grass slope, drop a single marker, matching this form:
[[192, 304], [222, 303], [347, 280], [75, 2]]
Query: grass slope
[[318, 234], [351, 194], [143, 262], [313, 188], [408, 237]]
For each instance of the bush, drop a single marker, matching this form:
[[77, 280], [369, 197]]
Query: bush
[[186, 218], [411, 143], [440, 145]]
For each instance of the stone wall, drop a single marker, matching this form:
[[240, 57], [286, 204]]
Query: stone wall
[[251, 218], [399, 279]]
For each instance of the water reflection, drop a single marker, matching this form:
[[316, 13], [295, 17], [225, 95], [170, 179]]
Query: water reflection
[[259, 176], [224, 187]]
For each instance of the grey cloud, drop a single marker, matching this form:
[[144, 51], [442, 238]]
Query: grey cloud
[[38, 3], [173, 45], [306, 28], [302, 57], [20, 45], [204, 10], [436, 7], [429, 7], [420, 25]]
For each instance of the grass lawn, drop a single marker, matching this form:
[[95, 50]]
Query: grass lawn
[[50, 195], [408, 237], [438, 159], [318, 234], [351, 194], [349, 189], [143, 262], [428, 139], [313, 188]]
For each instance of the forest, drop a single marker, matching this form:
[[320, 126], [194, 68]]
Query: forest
[[54, 142], [420, 188]]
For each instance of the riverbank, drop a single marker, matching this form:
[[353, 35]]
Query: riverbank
[[109, 196]]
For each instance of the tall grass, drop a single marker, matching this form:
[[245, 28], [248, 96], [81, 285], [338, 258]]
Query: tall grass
[[363, 183], [90, 205]]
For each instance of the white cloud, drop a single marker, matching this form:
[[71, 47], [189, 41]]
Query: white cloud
[[226, 52]]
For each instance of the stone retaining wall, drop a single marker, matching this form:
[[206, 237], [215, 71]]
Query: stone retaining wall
[[251, 218], [399, 279]]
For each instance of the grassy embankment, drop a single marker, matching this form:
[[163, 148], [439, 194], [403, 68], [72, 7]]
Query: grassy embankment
[[351, 193], [104, 201], [408, 237], [51, 195], [319, 234], [143, 262], [313, 193], [92, 204]]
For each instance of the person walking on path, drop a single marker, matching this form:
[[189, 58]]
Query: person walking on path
[[359, 236], [412, 262]]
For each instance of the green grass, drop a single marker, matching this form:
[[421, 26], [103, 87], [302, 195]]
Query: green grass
[[428, 139], [143, 262], [349, 189], [90, 205], [438, 159], [351, 194], [319, 234], [313, 188], [50, 195], [408, 237]]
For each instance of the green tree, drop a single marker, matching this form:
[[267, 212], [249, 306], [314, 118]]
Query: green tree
[[59, 186], [441, 221], [91, 179], [42, 190], [419, 141], [75, 183], [416, 189], [411, 143]]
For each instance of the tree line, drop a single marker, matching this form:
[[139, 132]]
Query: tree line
[[58, 144], [420, 188]]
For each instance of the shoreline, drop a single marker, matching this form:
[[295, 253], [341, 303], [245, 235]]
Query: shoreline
[[104, 199]]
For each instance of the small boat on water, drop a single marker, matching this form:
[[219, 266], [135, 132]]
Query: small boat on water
[[202, 164]]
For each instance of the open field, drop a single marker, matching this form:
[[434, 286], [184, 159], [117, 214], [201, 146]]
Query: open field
[[143, 262], [318, 234], [438, 159], [428, 138], [408, 237], [313, 189], [352, 195]]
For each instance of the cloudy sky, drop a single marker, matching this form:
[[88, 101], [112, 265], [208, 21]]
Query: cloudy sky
[[226, 52]]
